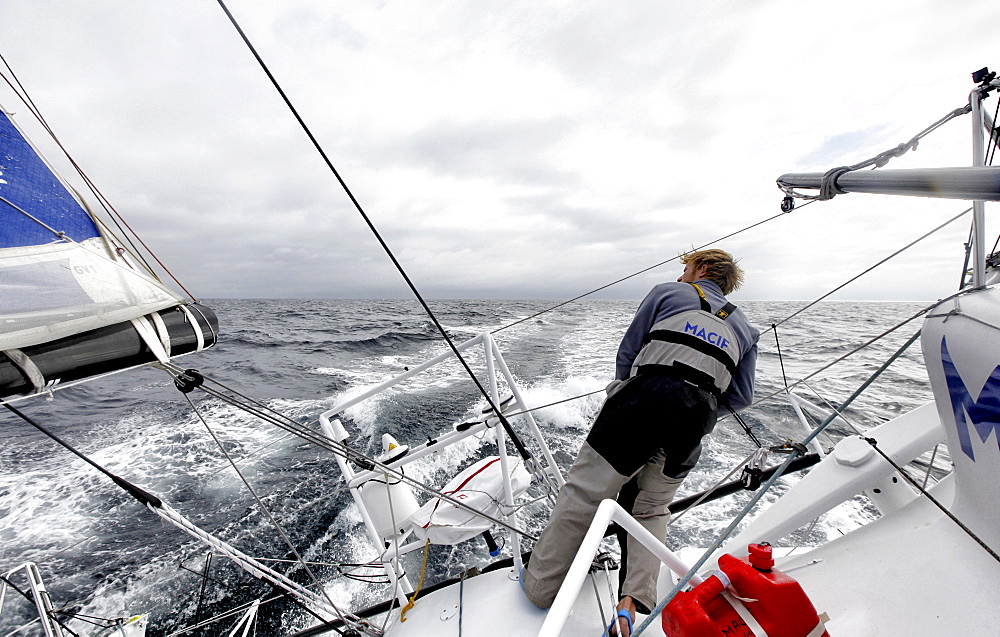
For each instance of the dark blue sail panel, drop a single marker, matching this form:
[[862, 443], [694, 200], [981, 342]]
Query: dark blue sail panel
[[27, 183], [69, 307]]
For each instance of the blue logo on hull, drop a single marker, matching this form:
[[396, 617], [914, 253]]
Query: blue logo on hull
[[983, 413]]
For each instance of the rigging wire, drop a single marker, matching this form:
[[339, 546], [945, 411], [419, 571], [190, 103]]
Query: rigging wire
[[290, 425], [413, 288], [878, 264], [930, 465], [968, 255], [796, 450], [530, 462], [112, 212], [793, 315], [137, 493], [155, 504], [857, 349], [829, 188], [781, 359], [878, 161], [121, 264], [933, 500], [994, 140], [224, 615], [486, 395], [460, 427], [263, 507], [52, 614], [644, 270], [833, 409]]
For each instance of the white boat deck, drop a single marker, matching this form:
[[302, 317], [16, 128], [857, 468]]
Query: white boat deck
[[493, 605], [859, 579]]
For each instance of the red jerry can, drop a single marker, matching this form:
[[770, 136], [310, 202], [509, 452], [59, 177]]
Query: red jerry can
[[775, 600], [704, 612]]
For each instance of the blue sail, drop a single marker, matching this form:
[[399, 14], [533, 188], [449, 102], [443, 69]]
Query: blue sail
[[71, 305], [29, 187]]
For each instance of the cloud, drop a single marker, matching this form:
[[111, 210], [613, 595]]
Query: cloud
[[510, 149]]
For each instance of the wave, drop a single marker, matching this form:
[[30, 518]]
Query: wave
[[304, 357]]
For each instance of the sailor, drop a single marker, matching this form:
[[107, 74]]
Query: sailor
[[687, 351]]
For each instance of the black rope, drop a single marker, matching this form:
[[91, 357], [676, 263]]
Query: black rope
[[52, 614], [200, 574], [23, 594], [515, 439], [992, 151], [934, 501], [746, 427], [256, 497], [290, 425], [781, 359], [204, 584], [143, 497], [968, 254], [994, 135]]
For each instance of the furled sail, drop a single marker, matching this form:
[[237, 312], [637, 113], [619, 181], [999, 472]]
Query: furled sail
[[62, 283]]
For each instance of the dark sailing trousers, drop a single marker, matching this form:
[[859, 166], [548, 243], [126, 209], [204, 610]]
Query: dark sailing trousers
[[648, 436]]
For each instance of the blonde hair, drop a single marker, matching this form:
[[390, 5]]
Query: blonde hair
[[721, 267]]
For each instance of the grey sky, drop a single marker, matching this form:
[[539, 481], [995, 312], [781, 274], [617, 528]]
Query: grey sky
[[514, 149]]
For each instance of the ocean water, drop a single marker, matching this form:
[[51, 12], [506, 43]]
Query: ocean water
[[102, 554]]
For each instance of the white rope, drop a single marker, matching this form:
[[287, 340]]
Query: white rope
[[263, 508], [257, 569], [161, 329], [27, 367]]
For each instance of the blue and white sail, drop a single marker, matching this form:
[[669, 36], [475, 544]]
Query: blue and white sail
[[61, 278]]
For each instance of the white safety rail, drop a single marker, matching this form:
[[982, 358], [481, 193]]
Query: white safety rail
[[334, 429], [40, 596], [607, 512]]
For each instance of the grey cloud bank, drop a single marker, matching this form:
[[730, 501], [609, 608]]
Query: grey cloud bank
[[507, 150]]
